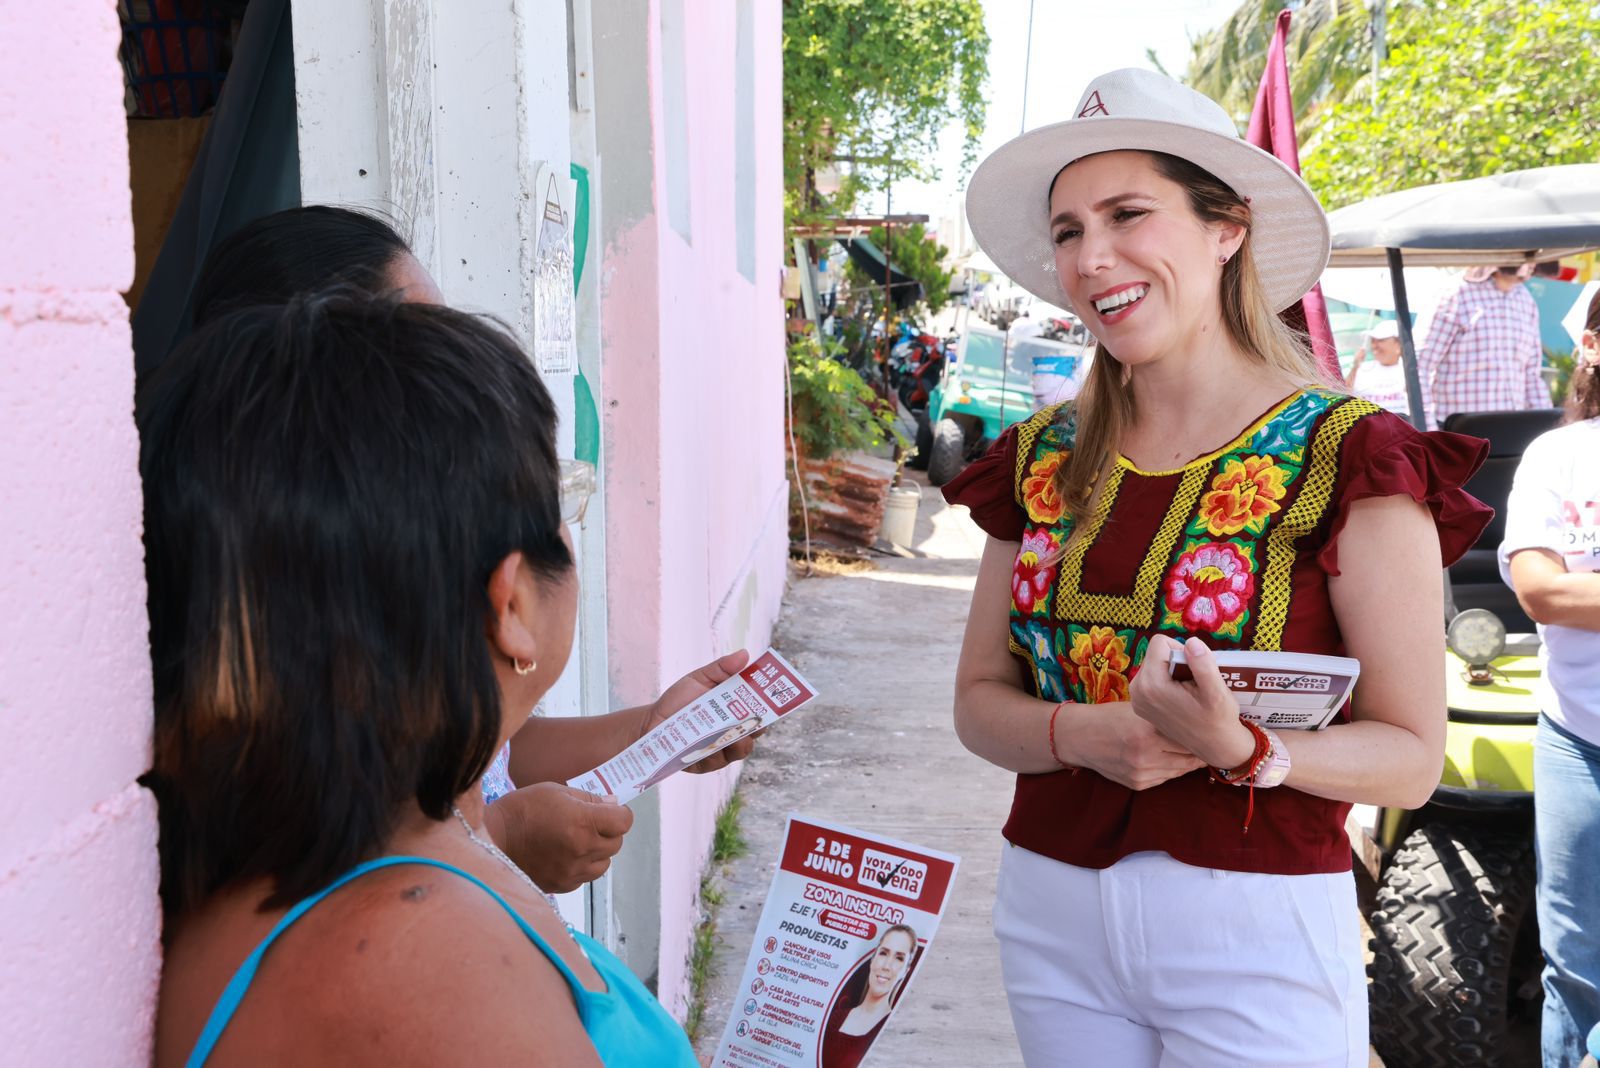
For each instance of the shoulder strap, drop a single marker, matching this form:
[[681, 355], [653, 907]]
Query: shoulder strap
[[237, 987]]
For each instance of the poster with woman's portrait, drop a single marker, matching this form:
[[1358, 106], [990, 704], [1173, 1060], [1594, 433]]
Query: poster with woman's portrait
[[847, 922], [868, 996]]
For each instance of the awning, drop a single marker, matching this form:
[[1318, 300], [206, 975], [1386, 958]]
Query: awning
[[1519, 217], [904, 290]]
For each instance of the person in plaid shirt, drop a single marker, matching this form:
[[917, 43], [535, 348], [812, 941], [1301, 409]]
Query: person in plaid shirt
[[1482, 351]]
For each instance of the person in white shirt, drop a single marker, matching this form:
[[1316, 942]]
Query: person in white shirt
[[1382, 380], [1551, 558]]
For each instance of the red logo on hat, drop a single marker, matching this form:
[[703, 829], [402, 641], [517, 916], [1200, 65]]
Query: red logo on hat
[[1093, 106]]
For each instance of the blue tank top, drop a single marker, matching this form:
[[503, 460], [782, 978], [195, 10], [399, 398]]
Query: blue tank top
[[627, 1025]]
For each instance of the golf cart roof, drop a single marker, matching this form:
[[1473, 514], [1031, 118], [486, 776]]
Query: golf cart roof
[[1523, 216]]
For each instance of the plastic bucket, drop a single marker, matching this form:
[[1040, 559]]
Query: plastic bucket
[[900, 515]]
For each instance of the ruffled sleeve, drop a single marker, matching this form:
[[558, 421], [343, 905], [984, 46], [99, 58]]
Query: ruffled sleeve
[[1384, 456], [987, 486]]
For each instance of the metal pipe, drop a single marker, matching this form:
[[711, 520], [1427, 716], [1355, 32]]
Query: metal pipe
[[1408, 349]]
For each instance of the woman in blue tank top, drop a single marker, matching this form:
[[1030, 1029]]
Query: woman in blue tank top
[[360, 584]]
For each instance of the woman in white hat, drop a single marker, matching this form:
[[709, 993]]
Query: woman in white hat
[[1177, 888]]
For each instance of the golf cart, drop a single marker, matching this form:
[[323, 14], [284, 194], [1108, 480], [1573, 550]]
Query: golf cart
[[1456, 962], [986, 387]]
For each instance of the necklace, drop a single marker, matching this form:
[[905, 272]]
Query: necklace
[[498, 854]]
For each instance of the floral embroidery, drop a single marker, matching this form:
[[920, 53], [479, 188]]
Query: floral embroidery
[[1039, 639], [1286, 436], [1101, 656], [1032, 575], [1210, 586], [1243, 496], [1039, 493]]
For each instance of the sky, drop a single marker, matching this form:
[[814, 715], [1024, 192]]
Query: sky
[[1073, 42]]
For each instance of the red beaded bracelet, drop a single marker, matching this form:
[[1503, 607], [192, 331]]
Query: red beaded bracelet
[[1245, 774], [1053, 754], [1246, 771]]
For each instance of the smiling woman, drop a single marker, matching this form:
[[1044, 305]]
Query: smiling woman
[[868, 997], [1203, 489]]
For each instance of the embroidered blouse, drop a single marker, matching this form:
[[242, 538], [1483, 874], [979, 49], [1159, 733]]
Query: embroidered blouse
[[1235, 547]]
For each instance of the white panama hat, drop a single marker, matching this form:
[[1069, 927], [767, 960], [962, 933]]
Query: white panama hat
[[1008, 197]]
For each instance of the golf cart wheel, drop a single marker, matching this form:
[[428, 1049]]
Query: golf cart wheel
[[947, 456], [1446, 970], [924, 442]]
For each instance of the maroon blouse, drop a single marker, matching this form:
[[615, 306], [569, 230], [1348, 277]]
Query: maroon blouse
[[1235, 547]]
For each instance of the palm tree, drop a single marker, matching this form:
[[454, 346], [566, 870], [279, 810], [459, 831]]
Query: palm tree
[[1330, 54]]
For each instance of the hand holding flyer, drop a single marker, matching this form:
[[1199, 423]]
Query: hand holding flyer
[[768, 689], [1283, 691], [845, 926]]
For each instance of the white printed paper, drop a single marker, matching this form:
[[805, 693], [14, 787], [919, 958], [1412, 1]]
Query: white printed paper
[[847, 923], [1284, 691], [768, 689]]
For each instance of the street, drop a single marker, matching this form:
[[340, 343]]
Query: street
[[877, 752]]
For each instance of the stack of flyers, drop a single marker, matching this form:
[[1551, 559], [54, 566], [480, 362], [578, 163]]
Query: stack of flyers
[[768, 689], [846, 925], [1284, 691]]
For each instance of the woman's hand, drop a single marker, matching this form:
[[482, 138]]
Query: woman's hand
[[1113, 741], [563, 838], [1201, 716], [693, 685]]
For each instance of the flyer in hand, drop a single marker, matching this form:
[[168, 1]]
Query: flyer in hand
[[768, 689], [847, 924], [1284, 691]]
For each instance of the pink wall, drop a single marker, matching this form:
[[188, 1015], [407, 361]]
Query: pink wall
[[697, 525], [79, 942]]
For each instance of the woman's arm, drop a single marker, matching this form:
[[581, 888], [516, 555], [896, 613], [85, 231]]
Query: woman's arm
[[996, 719], [1549, 593], [558, 748], [1389, 601]]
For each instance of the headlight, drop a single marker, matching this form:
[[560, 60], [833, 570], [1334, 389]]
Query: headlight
[[1478, 637]]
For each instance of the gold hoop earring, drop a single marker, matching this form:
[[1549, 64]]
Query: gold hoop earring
[[524, 667]]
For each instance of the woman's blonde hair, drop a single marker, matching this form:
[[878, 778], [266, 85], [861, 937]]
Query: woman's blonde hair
[[1105, 404]]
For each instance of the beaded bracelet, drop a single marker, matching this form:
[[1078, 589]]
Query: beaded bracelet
[[1245, 774], [1053, 754]]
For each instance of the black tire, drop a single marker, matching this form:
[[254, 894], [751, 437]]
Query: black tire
[[947, 454], [924, 441], [1452, 934]]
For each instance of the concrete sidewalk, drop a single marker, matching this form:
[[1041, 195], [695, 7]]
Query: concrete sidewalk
[[877, 751]]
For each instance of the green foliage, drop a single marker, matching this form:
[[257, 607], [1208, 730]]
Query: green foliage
[[834, 409], [1468, 89], [1330, 50], [915, 253], [727, 841], [875, 82]]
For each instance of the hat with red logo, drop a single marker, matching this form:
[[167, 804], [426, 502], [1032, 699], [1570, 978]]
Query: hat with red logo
[[1008, 198]]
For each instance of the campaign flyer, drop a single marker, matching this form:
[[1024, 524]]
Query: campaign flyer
[[768, 689], [847, 922], [1284, 691]]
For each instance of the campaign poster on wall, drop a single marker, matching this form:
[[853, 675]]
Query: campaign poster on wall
[[846, 925]]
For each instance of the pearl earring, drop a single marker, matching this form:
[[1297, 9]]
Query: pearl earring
[[524, 667]]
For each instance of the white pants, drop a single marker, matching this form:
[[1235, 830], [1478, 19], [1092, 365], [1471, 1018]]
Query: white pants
[[1153, 963]]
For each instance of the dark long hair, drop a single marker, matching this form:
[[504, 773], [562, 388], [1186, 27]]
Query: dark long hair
[[298, 250], [1583, 392], [328, 485]]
